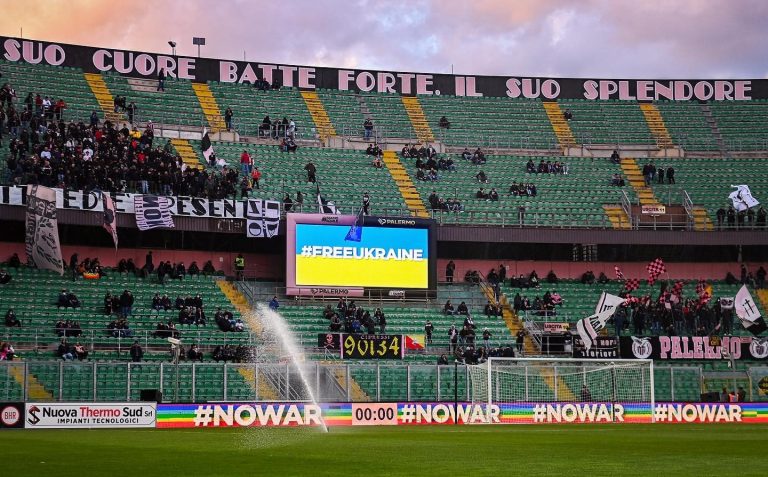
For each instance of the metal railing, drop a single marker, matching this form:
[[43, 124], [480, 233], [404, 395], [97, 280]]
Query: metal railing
[[90, 381]]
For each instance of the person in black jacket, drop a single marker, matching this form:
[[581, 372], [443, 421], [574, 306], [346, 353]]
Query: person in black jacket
[[136, 352]]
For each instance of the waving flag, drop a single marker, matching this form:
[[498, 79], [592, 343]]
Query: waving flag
[[654, 269], [206, 145], [619, 275], [355, 233], [110, 219], [677, 289], [325, 206], [589, 327], [742, 198], [632, 284], [748, 313]]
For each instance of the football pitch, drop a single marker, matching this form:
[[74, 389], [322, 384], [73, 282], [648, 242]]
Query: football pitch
[[615, 450]]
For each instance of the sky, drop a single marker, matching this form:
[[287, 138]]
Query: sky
[[559, 38]]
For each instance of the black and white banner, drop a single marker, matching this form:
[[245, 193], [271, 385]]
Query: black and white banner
[[152, 212], [179, 206], [262, 218], [42, 238], [747, 311], [110, 219], [147, 65], [589, 327]]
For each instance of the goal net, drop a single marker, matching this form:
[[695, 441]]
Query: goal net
[[505, 381]]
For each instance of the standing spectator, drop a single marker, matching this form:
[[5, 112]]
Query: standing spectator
[[520, 340], [255, 177], [444, 123], [670, 175], [228, 118], [246, 162], [287, 203], [131, 111], [126, 303], [449, 271], [311, 172], [136, 352], [366, 204], [368, 128], [161, 80], [10, 319], [428, 329], [239, 266]]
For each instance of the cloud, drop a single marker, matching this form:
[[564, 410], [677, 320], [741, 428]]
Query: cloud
[[590, 38]]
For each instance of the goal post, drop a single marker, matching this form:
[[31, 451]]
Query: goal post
[[506, 381]]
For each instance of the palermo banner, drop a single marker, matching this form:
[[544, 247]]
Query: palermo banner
[[147, 65], [693, 347]]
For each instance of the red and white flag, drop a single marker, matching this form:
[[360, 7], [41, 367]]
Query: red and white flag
[[654, 269]]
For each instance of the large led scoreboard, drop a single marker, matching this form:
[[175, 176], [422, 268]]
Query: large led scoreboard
[[395, 255]]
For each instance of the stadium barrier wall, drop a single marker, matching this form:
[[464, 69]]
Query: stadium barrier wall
[[271, 414]]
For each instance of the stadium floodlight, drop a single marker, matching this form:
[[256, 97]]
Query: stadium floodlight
[[172, 44], [544, 383], [199, 41]]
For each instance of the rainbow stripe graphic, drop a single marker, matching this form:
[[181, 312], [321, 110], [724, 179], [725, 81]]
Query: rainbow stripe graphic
[[435, 413]]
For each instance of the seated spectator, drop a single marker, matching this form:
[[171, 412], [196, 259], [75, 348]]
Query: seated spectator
[[493, 195], [568, 115], [420, 175], [556, 299], [602, 279], [208, 268], [481, 177], [588, 278], [80, 351], [530, 167], [491, 310], [5, 277], [453, 205], [615, 157], [288, 145], [67, 300], [462, 309], [14, 261], [273, 303], [617, 180], [10, 319], [444, 123], [7, 353], [157, 302], [448, 308], [65, 352], [466, 155], [481, 194], [405, 151], [194, 353], [193, 269], [377, 163], [551, 277], [478, 158]]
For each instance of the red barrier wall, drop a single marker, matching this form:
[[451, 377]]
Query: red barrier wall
[[691, 271], [271, 267]]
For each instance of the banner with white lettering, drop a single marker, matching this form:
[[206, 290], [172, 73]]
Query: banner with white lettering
[[42, 239], [262, 218], [693, 347], [152, 212], [147, 65], [179, 206]]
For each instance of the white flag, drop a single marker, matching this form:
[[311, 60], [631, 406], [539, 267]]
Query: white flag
[[589, 327], [608, 302], [748, 313], [42, 241], [742, 198]]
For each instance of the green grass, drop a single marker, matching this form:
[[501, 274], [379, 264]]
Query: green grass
[[615, 450]]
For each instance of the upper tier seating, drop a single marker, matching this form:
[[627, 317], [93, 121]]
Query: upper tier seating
[[177, 105], [54, 82], [607, 122], [743, 125], [490, 122], [250, 106]]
